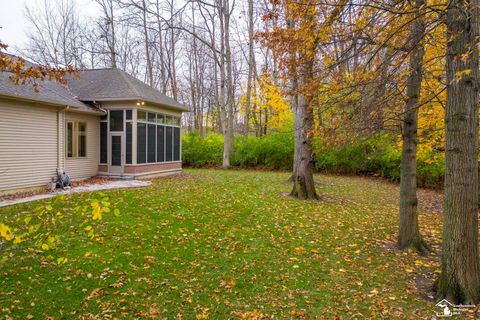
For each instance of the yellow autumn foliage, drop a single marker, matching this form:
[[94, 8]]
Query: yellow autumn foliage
[[268, 104]]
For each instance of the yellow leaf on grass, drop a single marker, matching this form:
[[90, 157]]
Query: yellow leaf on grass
[[201, 316], [300, 249], [97, 213], [17, 240], [5, 232], [45, 246]]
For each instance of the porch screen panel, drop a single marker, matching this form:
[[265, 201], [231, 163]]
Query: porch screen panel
[[116, 120], [160, 144], [116, 151], [152, 135], [128, 143], [176, 144], [168, 144], [141, 143], [103, 142]]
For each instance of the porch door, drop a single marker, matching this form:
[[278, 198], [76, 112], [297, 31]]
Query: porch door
[[116, 152]]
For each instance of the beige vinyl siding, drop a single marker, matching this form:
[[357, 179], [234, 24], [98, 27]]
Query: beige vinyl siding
[[84, 167], [28, 144]]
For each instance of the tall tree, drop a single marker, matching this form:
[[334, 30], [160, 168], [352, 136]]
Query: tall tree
[[108, 28], [459, 281], [55, 32], [226, 13], [409, 232], [251, 66]]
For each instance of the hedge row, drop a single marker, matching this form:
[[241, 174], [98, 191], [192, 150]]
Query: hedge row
[[378, 156]]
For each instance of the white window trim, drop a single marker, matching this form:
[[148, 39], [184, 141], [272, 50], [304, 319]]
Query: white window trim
[[75, 140]]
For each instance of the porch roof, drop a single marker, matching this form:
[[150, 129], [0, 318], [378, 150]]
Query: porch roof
[[113, 84]]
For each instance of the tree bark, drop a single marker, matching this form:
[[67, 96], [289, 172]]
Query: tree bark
[[113, 54], [147, 44], [303, 183], [251, 65], [459, 281], [160, 49], [409, 232], [228, 82]]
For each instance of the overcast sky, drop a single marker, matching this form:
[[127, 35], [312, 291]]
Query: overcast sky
[[14, 24]]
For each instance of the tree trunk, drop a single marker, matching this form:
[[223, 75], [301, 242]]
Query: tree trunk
[[409, 232], [303, 183], [147, 45], [173, 55], [251, 65], [228, 134], [160, 47], [113, 54], [459, 281]]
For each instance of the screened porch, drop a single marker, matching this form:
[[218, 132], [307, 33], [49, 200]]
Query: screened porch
[[134, 137]]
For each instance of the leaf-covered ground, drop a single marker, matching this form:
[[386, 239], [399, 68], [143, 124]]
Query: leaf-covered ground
[[213, 244]]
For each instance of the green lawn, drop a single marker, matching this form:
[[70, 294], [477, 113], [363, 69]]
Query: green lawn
[[225, 245]]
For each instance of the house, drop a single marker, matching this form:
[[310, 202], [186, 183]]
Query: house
[[105, 122]]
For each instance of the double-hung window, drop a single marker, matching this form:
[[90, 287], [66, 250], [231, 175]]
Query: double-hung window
[[76, 139]]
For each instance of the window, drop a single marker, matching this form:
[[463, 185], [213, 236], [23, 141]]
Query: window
[[168, 144], [103, 142], [82, 139], [128, 114], [160, 144], [152, 117], [176, 144], [70, 139], [76, 139], [141, 143], [152, 134], [141, 115], [160, 118], [116, 120], [158, 137], [128, 143]]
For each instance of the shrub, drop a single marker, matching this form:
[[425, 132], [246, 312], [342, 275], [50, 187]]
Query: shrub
[[378, 156], [200, 152], [274, 151]]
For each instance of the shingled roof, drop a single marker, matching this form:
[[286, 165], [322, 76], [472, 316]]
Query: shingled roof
[[114, 85], [49, 92]]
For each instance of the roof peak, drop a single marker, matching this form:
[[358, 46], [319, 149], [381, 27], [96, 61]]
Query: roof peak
[[109, 84]]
